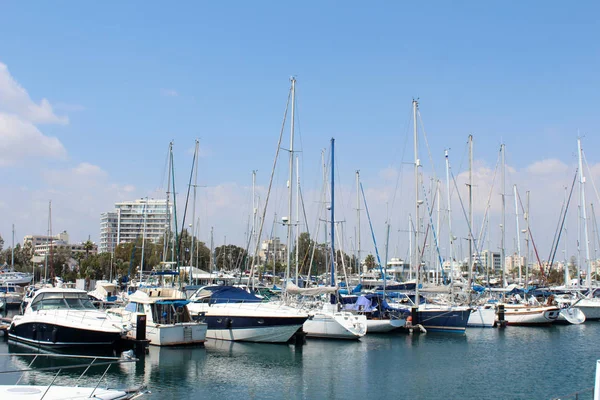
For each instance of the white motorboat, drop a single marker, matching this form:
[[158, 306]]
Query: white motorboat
[[106, 292], [58, 317], [168, 320], [54, 391], [234, 314], [15, 278], [11, 294], [483, 316]]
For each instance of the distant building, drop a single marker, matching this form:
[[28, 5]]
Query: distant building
[[132, 219], [37, 240], [273, 249], [74, 248], [512, 261], [491, 261]]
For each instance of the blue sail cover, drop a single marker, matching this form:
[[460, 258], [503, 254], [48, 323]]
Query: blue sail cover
[[176, 303], [230, 294]]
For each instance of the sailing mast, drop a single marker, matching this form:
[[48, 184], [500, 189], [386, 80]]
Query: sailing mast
[[144, 211], [518, 233], [470, 285], [416, 261], [194, 210], [358, 221], [12, 250], [167, 236], [289, 183], [450, 234], [503, 225], [332, 216], [297, 217], [588, 277]]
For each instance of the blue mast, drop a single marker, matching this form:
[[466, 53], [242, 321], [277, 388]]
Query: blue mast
[[332, 215]]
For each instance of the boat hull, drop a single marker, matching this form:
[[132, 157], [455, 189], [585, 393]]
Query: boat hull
[[590, 307], [482, 317], [384, 325], [530, 315], [59, 336], [444, 320], [182, 334], [336, 326], [252, 328]]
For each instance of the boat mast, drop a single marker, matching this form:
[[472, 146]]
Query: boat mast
[[439, 208], [358, 221], [194, 210], [518, 233], [167, 236], [254, 211], [297, 216], [12, 250], [332, 214], [143, 238], [450, 234], [289, 183], [588, 277], [503, 225], [416, 261], [566, 266], [470, 285], [527, 241]]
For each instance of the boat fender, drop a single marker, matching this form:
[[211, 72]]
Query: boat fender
[[228, 322], [54, 334]]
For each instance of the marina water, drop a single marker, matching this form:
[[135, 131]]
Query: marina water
[[511, 363]]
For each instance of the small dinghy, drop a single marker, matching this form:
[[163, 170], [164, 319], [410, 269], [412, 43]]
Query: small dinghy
[[571, 315]]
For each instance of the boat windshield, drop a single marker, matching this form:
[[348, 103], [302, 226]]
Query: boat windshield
[[62, 301]]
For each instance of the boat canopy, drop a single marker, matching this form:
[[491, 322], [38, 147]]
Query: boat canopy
[[176, 303], [226, 294], [314, 291]]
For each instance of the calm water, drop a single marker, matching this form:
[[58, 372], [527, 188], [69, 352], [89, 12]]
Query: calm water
[[513, 363]]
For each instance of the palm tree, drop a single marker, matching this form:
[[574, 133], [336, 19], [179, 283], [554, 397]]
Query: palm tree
[[88, 246]]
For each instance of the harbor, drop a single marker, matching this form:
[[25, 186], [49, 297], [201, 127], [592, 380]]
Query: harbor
[[314, 201], [515, 363]]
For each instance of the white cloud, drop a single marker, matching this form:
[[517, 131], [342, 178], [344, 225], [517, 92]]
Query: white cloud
[[169, 92], [69, 107], [14, 99], [22, 142], [547, 167]]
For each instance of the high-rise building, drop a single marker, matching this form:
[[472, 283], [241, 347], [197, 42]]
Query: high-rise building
[[491, 261], [132, 220]]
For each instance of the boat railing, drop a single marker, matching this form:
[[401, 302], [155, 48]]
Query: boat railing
[[579, 395], [79, 362], [83, 316]]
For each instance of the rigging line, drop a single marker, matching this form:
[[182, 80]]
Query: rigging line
[[372, 232], [564, 217], [560, 216], [306, 222], [322, 200], [531, 236], [187, 198], [162, 177], [398, 180], [463, 210], [430, 212], [427, 144], [487, 208], [262, 222], [591, 178]]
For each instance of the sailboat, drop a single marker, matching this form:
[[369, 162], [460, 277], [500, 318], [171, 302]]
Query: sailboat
[[330, 321], [433, 317]]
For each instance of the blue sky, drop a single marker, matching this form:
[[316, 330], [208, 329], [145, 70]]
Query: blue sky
[[131, 76]]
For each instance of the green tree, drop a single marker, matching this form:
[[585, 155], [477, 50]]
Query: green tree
[[370, 261], [230, 257]]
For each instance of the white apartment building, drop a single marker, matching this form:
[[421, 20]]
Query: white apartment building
[[273, 249], [491, 261], [37, 240], [132, 220]]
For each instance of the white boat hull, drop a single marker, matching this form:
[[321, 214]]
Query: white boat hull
[[571, 315], [31, 392], [482, 317], [339, 325], [384, 325], [175, 335], [530, 315], [269, 334], [590, 307]]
